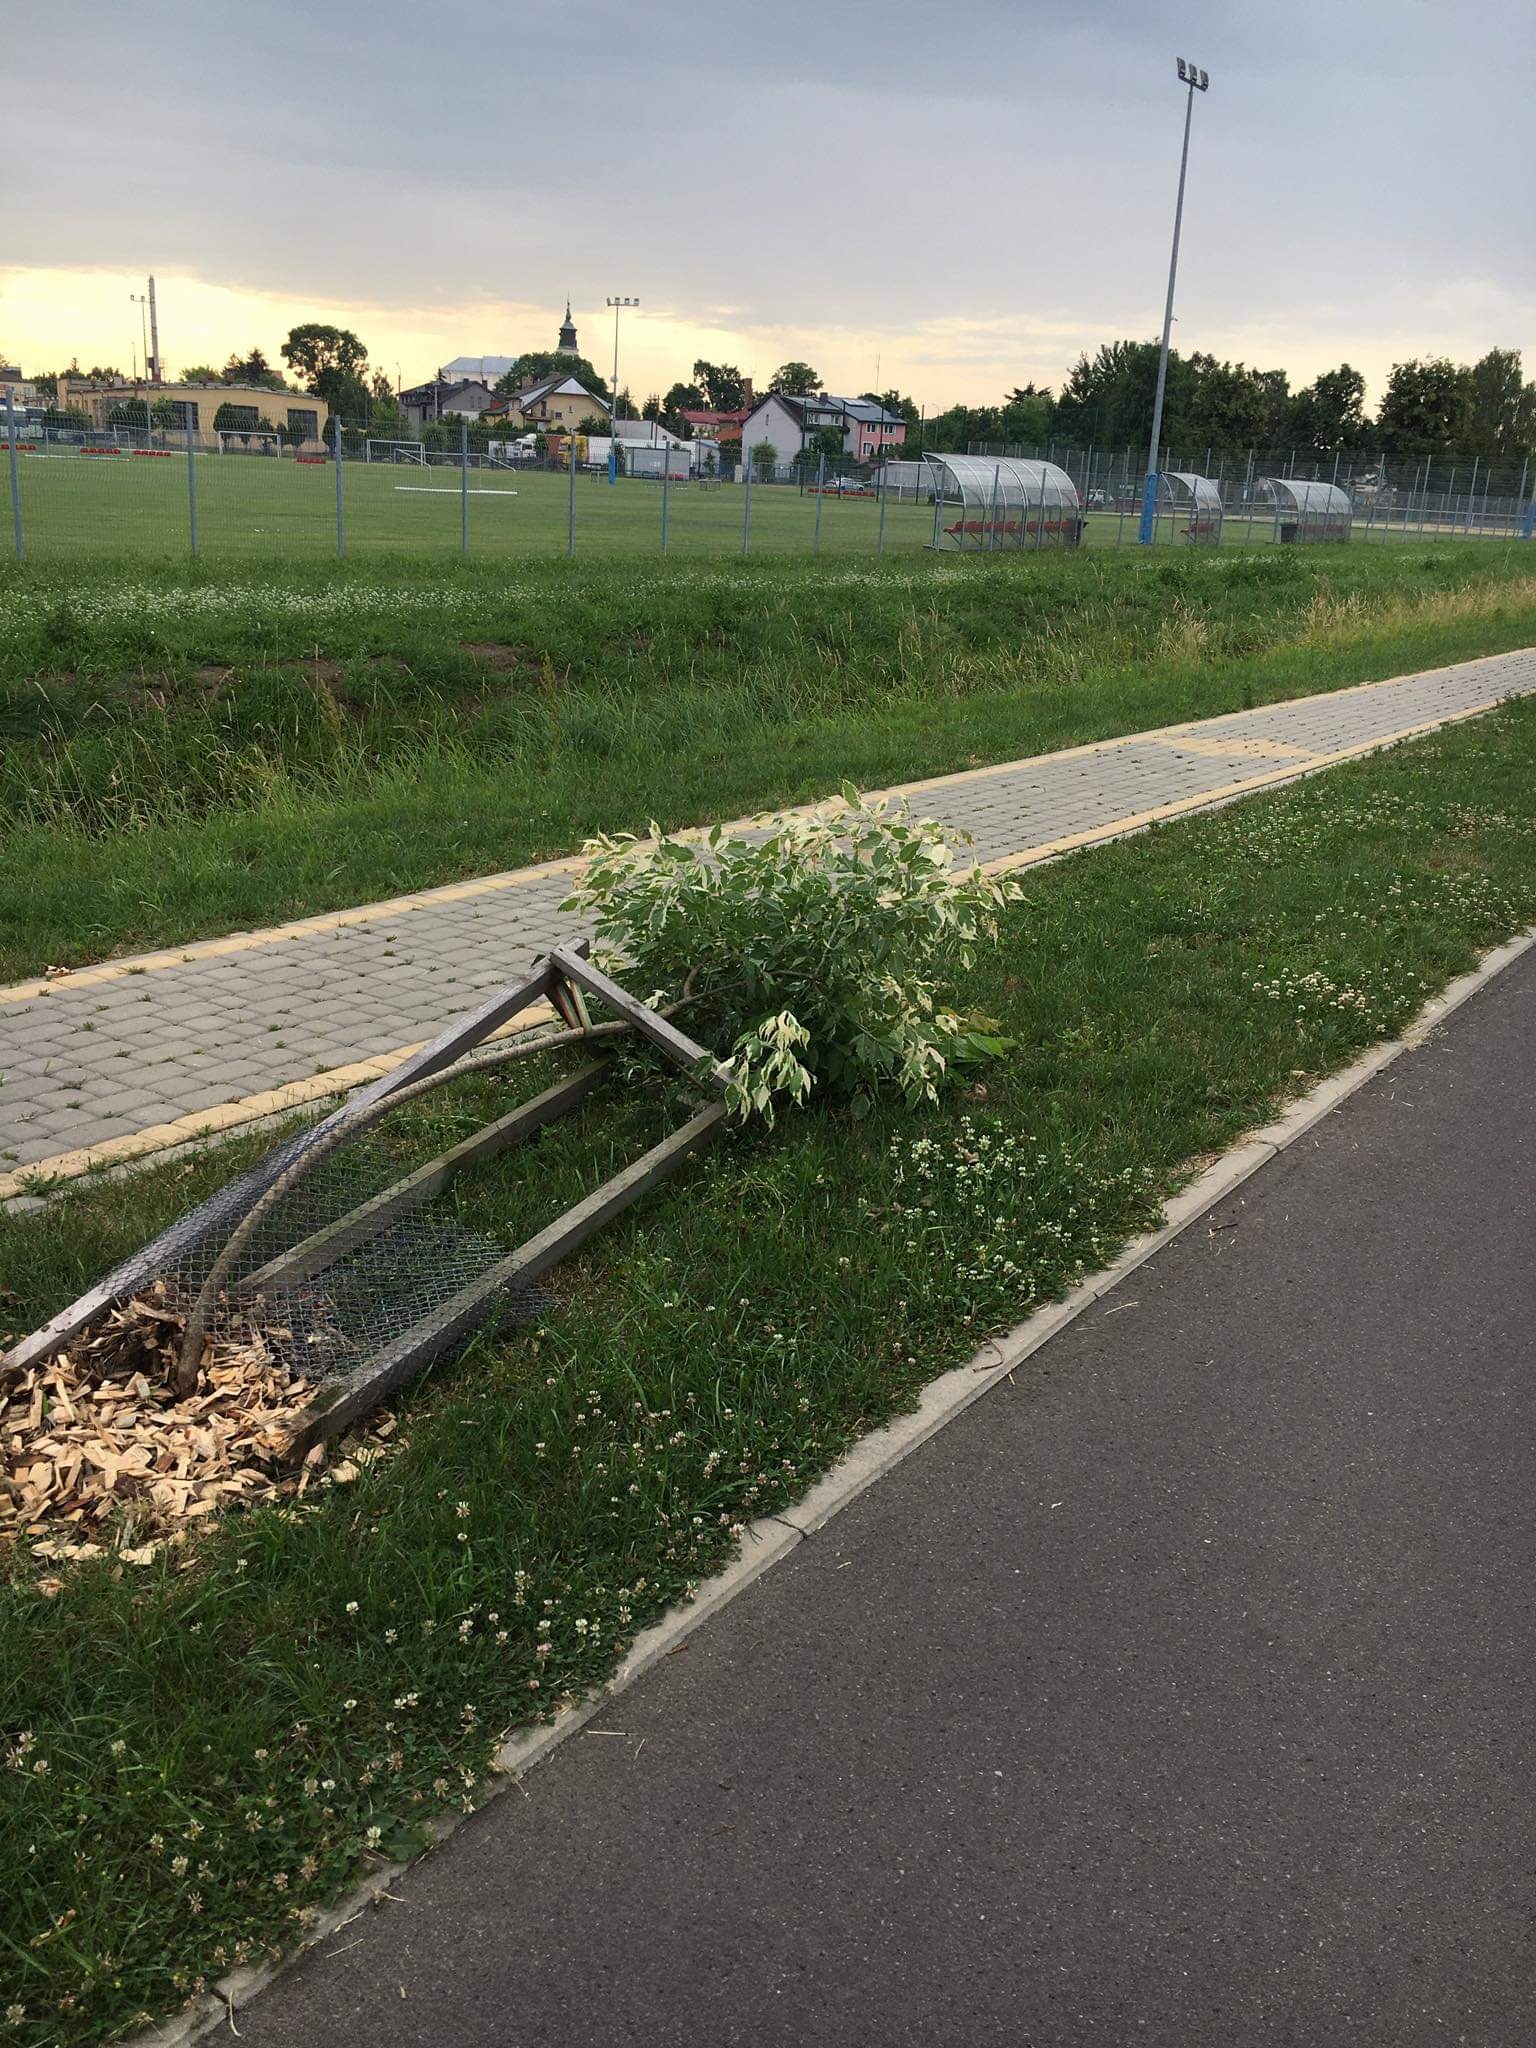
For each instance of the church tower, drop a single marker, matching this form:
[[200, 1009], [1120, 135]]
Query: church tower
[[566, 345]]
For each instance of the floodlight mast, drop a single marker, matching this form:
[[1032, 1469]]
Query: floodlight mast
[[613, 411], [1195, 80]]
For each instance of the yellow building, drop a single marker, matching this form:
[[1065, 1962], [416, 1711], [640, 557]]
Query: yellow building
[[554, 403], [249, 406]]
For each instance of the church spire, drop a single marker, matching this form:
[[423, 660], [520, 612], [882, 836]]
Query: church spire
[[567, 343]]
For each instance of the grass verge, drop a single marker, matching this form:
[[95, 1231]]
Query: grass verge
[[187, 753], [203, 1751]]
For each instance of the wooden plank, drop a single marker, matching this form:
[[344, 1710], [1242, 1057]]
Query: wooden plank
[[659, 1030], [314, 1253], [460, 1037], [336, 1408]]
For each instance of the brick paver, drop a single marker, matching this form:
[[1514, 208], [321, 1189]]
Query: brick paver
[[117, 1054]]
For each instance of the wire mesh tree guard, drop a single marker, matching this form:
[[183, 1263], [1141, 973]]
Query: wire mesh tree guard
[[357, 1287]]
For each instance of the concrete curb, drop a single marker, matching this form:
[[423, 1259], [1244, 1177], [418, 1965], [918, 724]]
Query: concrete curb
[[767, 1541]]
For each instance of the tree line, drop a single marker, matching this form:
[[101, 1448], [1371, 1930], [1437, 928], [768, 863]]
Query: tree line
[[1430, 406]]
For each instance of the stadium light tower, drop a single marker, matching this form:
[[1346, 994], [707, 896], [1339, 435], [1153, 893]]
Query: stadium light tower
[[1195, 80], [141, 300], [613, 418]]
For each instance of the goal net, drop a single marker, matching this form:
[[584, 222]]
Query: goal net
[[239, 441], [396, 451]]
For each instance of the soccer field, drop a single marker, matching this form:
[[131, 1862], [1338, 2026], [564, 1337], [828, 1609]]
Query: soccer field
[[128, 504]]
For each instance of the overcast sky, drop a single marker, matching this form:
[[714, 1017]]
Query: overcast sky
[[970, 192]]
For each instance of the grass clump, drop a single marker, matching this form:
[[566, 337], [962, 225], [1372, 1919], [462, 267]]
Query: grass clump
[[200, 1757]]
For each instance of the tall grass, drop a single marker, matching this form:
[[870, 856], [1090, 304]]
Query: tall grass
[[184, 751]]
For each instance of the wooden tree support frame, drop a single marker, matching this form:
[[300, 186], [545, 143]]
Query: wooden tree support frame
[[564, 980]]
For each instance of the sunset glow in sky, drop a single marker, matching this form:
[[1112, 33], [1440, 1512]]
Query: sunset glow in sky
[[966, 198]]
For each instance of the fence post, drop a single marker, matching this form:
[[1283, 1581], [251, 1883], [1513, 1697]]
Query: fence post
[[666, 480], [821, 493], [341, 510], [938, 508], [746, 516], [464, 486], [1471, 497], [570, 515], [885, 493], [10, 442], [186, 421]]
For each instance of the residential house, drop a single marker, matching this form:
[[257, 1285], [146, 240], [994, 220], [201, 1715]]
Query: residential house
[[445, 398], [867, 430], [555, 404], [711, 424]]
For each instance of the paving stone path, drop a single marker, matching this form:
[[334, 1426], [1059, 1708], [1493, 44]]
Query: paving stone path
[[133, 1055]]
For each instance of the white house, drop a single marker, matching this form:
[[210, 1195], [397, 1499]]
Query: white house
[[866, 429], [639, 438]]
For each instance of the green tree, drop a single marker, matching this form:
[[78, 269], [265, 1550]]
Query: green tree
[[826, 441], [765, 459], [897, 402], [683, 398], [539, 363], [1028, 417], [132, 413], [1329, 415], [1229, 407], [200, 373], [237, 419], [100, 373], [1426, 408], [795, 380], [1503, 408], [314, 348], [1108, 397], [651, 410], [594, 423], [722, 385], [254, 368]]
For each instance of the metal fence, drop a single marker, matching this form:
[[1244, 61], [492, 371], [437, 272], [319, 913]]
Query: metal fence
[[78, 492], [1391, 496]]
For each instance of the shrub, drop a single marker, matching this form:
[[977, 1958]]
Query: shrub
[[820, 949]]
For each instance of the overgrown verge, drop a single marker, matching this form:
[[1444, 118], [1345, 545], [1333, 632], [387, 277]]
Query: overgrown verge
[[185, 752], [203, 1750]]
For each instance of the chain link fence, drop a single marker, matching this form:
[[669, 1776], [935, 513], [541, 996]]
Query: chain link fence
[[176, 485]]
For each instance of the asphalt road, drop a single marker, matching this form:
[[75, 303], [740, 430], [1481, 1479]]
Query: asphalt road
[[1179, 1693]]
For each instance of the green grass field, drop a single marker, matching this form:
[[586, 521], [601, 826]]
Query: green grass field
[[189, 748], [76, 505]]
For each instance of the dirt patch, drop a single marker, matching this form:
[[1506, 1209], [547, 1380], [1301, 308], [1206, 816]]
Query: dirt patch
[[498, 654]]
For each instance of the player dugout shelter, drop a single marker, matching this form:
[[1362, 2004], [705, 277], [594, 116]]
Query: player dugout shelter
[[1306, 510], [982, 502], [1193, 503]]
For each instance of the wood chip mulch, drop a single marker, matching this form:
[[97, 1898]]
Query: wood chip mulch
[[100, 1457]]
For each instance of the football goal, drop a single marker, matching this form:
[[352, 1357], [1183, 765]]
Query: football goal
[[248, 441], [395, 451]]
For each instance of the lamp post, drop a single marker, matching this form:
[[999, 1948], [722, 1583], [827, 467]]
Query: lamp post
[[141, 300], [618, 305], [1195, 80]]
